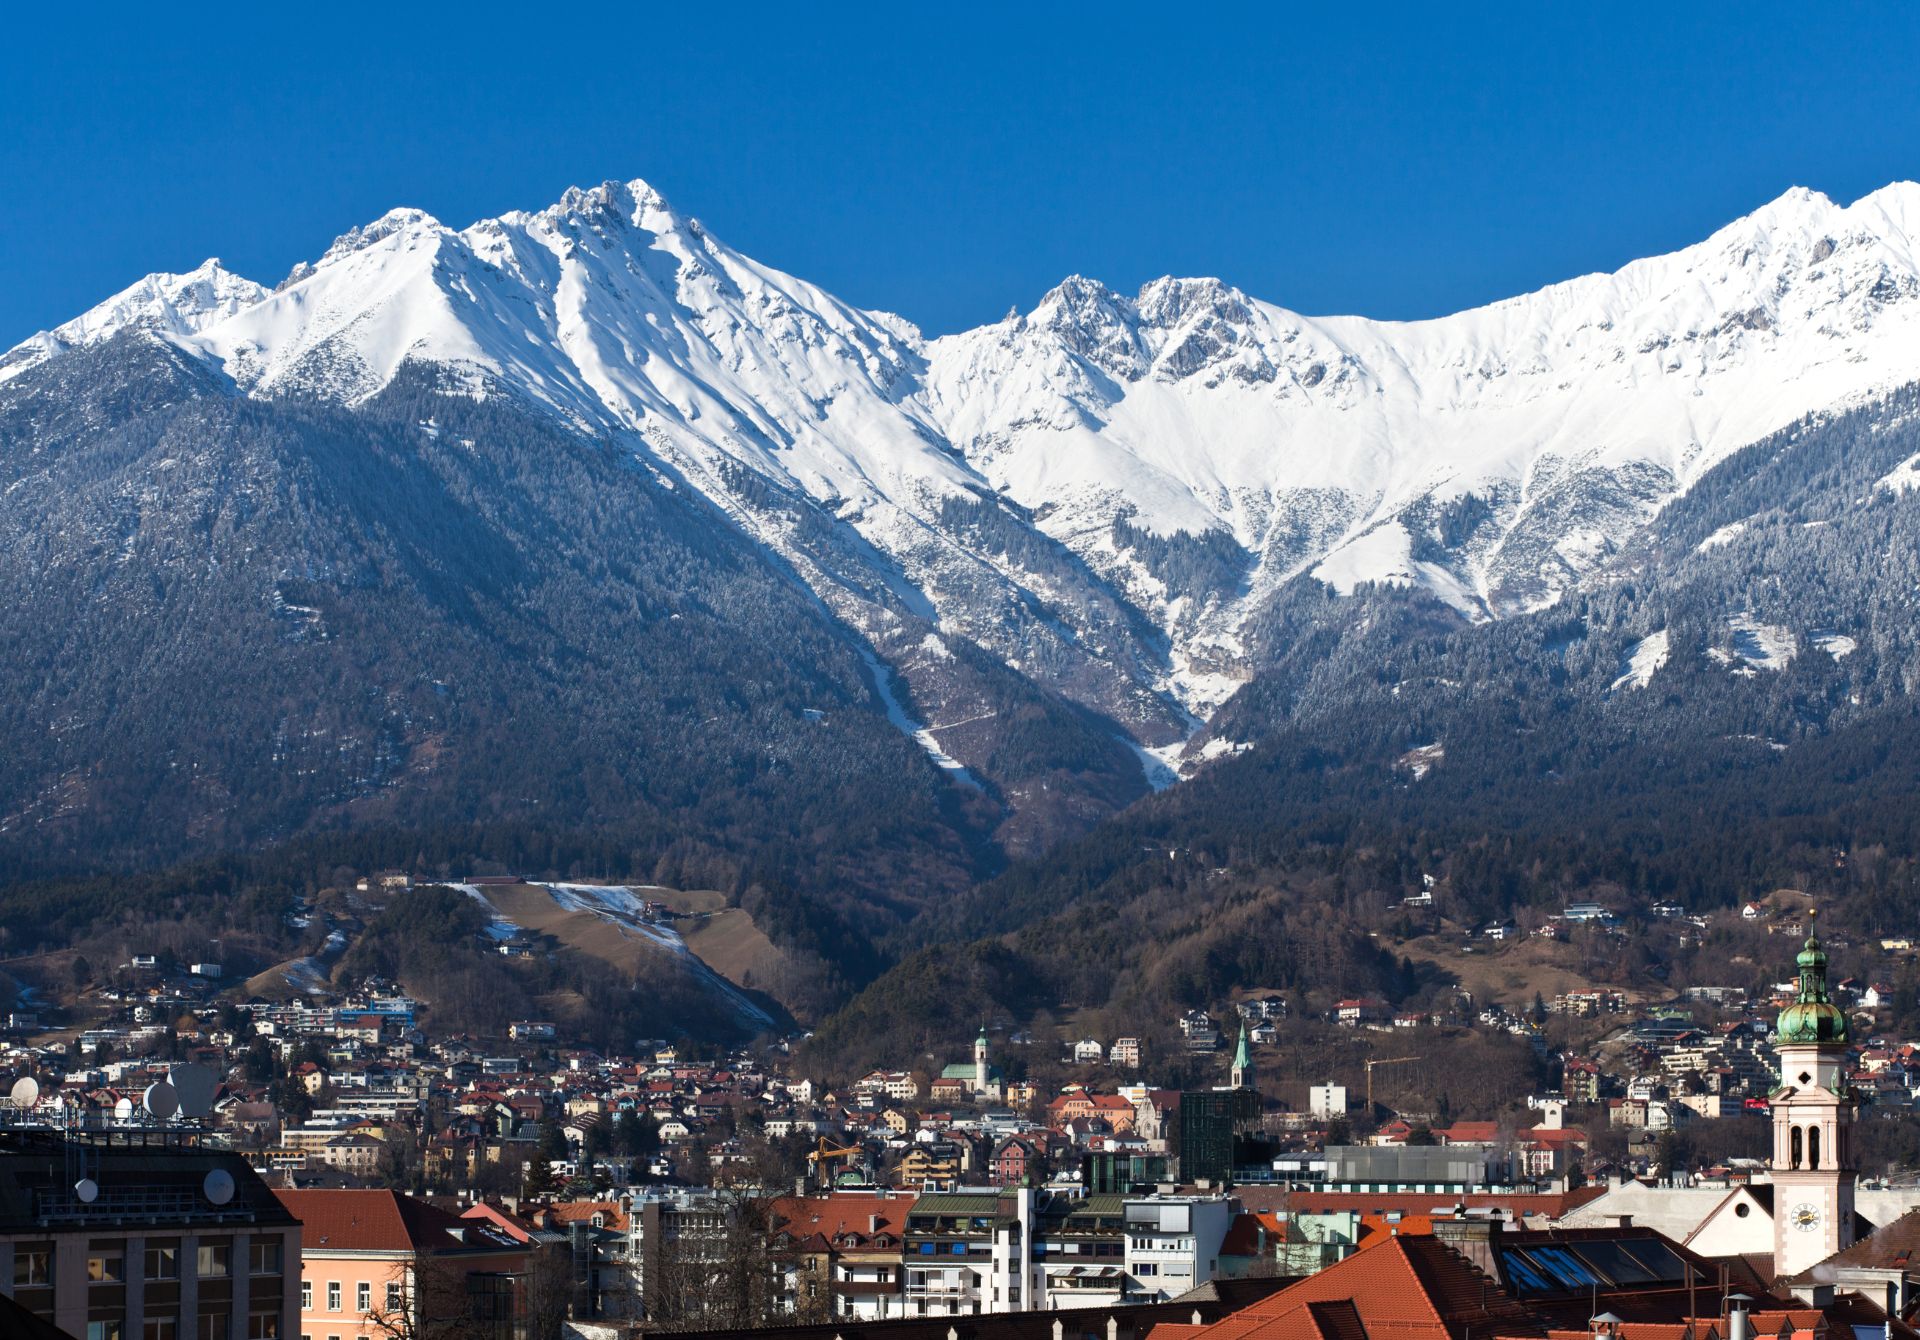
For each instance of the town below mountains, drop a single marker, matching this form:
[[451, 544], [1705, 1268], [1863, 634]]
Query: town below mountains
[[314, 1146]]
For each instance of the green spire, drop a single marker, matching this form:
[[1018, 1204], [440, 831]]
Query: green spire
[[1813, 1017]]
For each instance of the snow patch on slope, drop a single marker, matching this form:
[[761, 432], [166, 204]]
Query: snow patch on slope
[[1421, 760], [498, 926], [913, 730], [1754, 646], [1903, 478], [1647, 656], [1384, 556], [1721, 538]]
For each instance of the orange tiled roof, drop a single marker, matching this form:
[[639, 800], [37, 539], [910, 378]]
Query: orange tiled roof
[[355, 1220], [582, 1211], [843, 1212], [1409, 1288]]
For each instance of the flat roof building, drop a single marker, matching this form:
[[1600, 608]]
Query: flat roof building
[[124, 1235]]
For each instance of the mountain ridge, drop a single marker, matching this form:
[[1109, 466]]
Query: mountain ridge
[[1109, 493]]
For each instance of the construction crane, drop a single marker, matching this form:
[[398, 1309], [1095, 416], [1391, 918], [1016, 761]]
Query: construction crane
[[1385, 1060], [826, 1152]]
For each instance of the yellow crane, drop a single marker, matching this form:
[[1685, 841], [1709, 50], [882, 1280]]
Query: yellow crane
[[1370, 1064], [826, 1152]]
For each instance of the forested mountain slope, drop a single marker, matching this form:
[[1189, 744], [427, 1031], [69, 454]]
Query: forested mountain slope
[[1729, 709]]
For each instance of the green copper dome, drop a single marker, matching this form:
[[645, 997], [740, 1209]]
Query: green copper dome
[[1812, 1017]]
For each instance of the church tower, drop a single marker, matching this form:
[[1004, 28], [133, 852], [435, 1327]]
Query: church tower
[[982, 1071], [1242, 1061], [1812, 1161]]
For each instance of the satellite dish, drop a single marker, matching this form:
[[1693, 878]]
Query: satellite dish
[[123, 1110], [160, 1100], [26, 1091], [218, 1187], [195, 1086], [86, 1190]]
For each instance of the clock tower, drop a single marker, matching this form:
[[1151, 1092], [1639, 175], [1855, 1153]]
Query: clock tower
[[1812, 1159]]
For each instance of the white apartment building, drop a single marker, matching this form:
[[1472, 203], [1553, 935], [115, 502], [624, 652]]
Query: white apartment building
[[1173, 1243], [1326, 1101]]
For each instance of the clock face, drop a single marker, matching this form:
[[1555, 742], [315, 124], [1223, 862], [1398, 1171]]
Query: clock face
[[1805, 1217]]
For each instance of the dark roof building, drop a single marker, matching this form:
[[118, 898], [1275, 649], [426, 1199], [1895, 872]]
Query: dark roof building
[[102, 1233]]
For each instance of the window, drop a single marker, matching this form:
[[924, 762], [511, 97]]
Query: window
[[393, 1296], [264, 1325], [213, 1326], [214, 1260], [263, 1258], [104, 1330], [106, 1264], [160, 1328], [306, 1295], [333, 1298], [163, 1260], [363, 1297], [32, 1265]]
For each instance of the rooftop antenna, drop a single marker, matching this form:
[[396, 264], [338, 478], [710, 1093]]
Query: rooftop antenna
[[25, 1093], [194, 1088], [162, 1101]]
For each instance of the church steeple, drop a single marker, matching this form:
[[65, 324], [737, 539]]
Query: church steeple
[[1813, 1017], [1812, 1163], [1243, 1061]]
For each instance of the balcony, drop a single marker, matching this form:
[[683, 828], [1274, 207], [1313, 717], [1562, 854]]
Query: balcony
[[945, 1290], [865, 1288]]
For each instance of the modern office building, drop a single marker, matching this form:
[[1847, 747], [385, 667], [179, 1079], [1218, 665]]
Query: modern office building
[[143, 1235]]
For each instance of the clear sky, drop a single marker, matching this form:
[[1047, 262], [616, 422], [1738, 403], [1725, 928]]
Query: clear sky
[[946, 162]]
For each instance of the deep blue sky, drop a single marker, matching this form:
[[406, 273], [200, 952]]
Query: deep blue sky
[[946, 162]]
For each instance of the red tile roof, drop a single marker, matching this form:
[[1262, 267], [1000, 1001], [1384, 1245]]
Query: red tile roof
[[355, 1220], [1410, 1288], [566, 1212], [843, 1212]]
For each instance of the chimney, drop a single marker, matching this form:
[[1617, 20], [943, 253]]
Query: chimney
[[1739, 1325], [1474, 1238]]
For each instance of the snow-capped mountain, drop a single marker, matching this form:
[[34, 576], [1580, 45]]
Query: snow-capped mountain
[[179, 305], [1107, 491], [1494, 456]]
